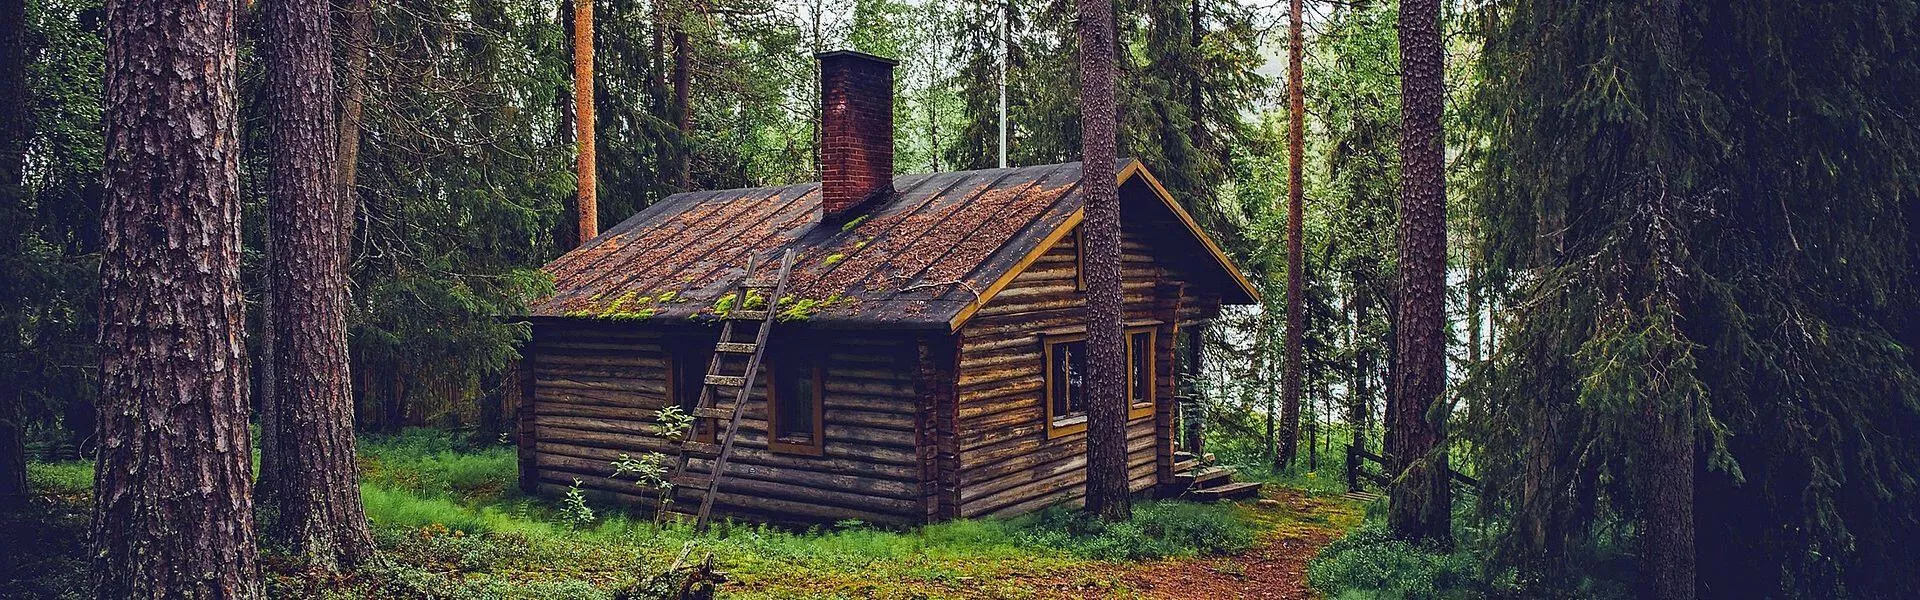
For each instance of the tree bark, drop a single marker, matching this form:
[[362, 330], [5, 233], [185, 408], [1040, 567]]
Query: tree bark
[[355, 44], [1106, 342], [317, 490], [1419, 505], [586, 203], [16, 132], [682, 105], [1360, 410], [174, 510], [1296, 124]]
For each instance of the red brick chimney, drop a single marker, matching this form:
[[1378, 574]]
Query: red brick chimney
[[856, 132]]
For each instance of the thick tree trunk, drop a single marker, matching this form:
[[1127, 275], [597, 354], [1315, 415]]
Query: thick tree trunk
[[1296, 276], [174, 510], [16, 132], [1106, 342], [586, 203], [1419, 504], [317, 488]]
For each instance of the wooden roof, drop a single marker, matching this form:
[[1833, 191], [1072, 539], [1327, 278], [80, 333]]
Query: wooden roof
[[927, 257]]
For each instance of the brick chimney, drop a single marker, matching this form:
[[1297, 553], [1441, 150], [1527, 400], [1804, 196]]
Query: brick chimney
[[856, 132]]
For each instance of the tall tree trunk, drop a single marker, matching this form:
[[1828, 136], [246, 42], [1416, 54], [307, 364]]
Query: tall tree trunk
[[1419, 504], [586, 203], [318, 487], [1106, 342], [1666, 429], [1360, 411], [174, 509], [682, 105], [16, 132], [355, 43], [1296, 307]]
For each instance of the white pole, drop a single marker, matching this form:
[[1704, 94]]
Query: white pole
[[1005, 8]]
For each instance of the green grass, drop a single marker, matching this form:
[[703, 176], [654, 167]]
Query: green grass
[[450, 523], [1370, 564]]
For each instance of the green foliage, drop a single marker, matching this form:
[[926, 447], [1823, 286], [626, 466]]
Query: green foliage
[[65, 478], [1369, 564], [1156, 529]]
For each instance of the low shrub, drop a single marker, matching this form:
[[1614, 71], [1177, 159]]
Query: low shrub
[[1157, 529], [1368, 563]]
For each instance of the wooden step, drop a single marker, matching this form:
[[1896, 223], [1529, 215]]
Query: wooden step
[[700, 449], [1186, 465], [1207, 477], [1231, 491], [748, 315], [726, 380], [713, 412], [690, 482], [734, 347], [1183, 456]]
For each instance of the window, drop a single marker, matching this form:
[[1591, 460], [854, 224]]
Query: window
[[687, 373], [1140, 353], [1066, 358], [795, 407], [1066, 368]]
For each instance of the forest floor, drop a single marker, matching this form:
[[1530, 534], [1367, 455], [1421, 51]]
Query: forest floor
[[450, 525]]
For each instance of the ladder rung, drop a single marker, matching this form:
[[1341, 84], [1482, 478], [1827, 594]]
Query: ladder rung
[[712, 412], [734, 347], [726, 380], [690, 482], [703, 449], [765, 284], [748, 315]]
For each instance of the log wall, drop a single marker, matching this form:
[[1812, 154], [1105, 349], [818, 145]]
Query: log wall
[[1007, 465], [596, 389]]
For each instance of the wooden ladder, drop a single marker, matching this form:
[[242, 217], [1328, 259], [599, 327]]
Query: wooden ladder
[[726, 418]]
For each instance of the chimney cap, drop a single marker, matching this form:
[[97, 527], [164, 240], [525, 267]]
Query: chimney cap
[[855, 54]]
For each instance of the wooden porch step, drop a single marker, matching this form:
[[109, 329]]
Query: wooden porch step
[[1231, 491], [1205, 478], [734, 347], [1186, 465], [1183, 456]]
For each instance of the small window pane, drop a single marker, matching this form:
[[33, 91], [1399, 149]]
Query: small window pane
[[1140, 388], [794, 415], [1068, 376]]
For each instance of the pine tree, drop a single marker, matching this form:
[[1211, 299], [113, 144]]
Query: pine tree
[[316, 483], [1714, 296], [1296, 212], [173, 515], [1420, 501], [1106, 343]]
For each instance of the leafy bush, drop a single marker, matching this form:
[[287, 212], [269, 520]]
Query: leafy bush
[[1157, 529], [1369, 563]]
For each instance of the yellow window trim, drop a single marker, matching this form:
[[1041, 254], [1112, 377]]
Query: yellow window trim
[[1058, 426]]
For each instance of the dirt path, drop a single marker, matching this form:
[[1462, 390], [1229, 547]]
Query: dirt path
[[1276, 567]]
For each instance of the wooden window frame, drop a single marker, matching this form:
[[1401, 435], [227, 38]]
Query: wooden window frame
[[1140, 410], [1079, 260], [818, 445], [1057, 426]]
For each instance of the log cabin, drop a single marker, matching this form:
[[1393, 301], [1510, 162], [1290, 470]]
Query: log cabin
[[928, 356]]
